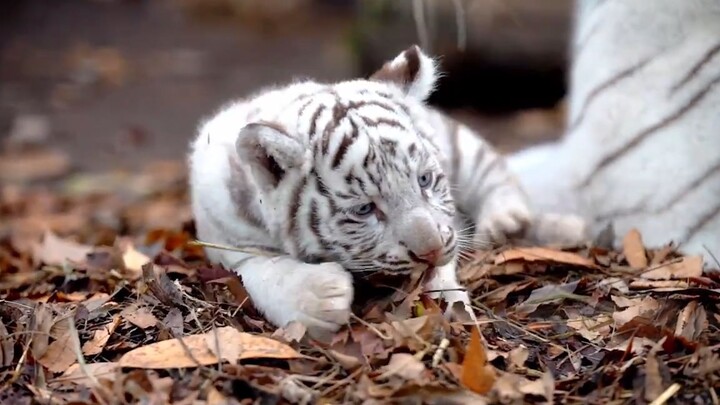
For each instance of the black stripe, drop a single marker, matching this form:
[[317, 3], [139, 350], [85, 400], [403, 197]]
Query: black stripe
[[313, 120], [701, 222], [597, 91], [696, 68], [297, 192], [644, 134], [347, 141]]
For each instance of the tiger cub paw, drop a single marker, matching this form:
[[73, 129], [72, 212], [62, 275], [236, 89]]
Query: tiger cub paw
[[501, 219], [323, 301]]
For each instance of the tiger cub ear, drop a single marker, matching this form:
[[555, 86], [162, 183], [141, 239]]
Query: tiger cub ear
[[412, 70], [270, 151]]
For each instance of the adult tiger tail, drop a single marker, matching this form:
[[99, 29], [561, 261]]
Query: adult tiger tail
[[642, 143]]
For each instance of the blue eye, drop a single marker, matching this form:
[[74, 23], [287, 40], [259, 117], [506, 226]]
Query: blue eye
[[364, 210], [425, 179]]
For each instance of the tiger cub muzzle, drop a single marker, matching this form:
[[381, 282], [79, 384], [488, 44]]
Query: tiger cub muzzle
[[426, 240]]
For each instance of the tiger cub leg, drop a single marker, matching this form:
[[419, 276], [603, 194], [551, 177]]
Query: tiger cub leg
[[284, 289]]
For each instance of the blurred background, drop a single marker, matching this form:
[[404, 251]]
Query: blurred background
[[97, 85]]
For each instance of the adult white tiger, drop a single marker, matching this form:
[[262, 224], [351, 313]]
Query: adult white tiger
[[642, 148], [341, 178]]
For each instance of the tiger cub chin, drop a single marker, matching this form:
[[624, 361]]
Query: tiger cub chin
[[346, 179]]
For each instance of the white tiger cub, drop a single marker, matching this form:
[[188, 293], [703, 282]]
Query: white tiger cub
[[345, 178], [642, 147]]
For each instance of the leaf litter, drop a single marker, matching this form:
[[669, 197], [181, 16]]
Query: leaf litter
[[104, 294]]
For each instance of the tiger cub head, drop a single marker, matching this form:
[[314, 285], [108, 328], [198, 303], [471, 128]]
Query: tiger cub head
[[354, 176]]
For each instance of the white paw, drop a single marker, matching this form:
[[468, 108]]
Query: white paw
[[502, 219], [559, 229], [323, 302]]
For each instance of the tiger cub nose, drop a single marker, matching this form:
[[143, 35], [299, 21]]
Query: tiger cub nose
[[431, 257]]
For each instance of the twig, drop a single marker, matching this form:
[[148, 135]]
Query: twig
[[667, 394], [371, 327], [244, 249], [75, 337], [444, 343]]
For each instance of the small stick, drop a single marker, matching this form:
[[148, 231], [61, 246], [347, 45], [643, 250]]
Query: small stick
[[667, 394], [243, 249]]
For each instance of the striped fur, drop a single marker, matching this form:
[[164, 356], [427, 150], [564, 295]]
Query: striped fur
[[642, 147], [293, 168]]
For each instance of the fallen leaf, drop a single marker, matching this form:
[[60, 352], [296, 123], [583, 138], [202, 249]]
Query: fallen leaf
[[347, 361], [77, 375], [7, 343], [590, 328], [653, 379], [690, 266], [40, 325], [133, 260], [231, 343], [548, 294], [538, 254], [692, 321], [624, 302], [518, 356], [60, 354], [477, 374], [404, 365], [542, 387], [645, 306], [100, 338], [161, 286], [293, 331], [140, 317], [56, 251], [214, 397], [634, 250]]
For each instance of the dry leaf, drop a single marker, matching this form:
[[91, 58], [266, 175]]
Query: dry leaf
[[60, 355], [634, 250], [7, 343], [477, 374], [518, 356], [140, 317], [690, 266], [57, 251], [133, 260], [547, 295], [589, 328], [624, 302], [77, 375], [100, 338], [542, 387], [646, 305], [653, 379], [293, 331], [537, 254], [404, 365], [691, 322], [347, 361], [172, 354], [40, 325]]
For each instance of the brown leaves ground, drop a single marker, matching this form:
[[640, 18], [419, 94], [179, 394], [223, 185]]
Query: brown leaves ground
[[103, 297]]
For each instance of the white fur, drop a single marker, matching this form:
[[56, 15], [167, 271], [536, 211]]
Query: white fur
[[639, 189]]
